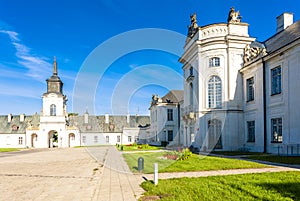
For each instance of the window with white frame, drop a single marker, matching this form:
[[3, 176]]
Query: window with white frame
[[107, 139], [20, 140], [170, 114], [118, 138], [52, 110], [214, 92], [276, 80], [129, 139], [95, 139], [214, 62], [250, 89], [83, 139], [276, 129], [251, 131]]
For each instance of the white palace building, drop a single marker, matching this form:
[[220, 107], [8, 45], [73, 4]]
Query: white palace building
[[239, 94], [54, 127]]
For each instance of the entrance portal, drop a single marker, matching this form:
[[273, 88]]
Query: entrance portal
[[33, 140], [52, 139]]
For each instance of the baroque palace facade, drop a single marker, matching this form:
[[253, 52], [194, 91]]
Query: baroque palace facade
[[239, 93], [54, 127]]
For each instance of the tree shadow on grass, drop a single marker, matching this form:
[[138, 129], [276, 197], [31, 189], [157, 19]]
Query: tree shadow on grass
[[287, 190]]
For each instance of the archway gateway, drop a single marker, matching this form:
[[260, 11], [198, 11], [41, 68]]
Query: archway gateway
[[71, 140], [52, 139], [33, 139]]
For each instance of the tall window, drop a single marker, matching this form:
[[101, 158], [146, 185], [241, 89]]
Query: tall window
[[52, 110], [214, 62], [83, 139], [214, 134], [96, 139], [170, 114], [250, 89], [129, 139], [191, 71], [107, 139], [214, 92], [276, 80], [276, 129], [191, 94], [170, 135], [251, 131], [20, 140], [118, 138]]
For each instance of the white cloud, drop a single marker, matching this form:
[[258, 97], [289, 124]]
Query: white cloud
[[37, 66]]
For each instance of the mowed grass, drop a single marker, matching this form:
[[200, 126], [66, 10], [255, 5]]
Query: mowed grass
[[8, 149], [194, 163], [263, 186], [294, 160], [138, 148]]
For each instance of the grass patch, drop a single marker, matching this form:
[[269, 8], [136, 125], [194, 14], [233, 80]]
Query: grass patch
[[134, 147], [263, 186], [294, 160], [236, 153], [9, 149], [194, 163]]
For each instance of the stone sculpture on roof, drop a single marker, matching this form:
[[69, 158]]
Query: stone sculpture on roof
[[234, 16], [192, 28]]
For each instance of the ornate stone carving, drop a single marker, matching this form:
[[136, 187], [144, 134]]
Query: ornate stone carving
[[254, 50], [234, 16], [193, 27], [155, 100]]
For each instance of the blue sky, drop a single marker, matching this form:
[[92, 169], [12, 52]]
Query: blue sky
[[82, 32]]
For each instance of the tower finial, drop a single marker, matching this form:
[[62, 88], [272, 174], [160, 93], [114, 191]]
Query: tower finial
[[54, 66]]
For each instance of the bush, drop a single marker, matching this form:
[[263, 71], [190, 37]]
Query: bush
[[184, 154]]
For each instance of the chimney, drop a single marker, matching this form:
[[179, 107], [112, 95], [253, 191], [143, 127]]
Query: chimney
[[86, 117], [9, 118], [106, 118], [22, 117], [128, 118], [284, 20]]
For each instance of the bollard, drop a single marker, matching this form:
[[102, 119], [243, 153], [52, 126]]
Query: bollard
[[140, 164], [155, 174]]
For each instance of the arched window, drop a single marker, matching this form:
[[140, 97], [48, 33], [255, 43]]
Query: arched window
[[52, 110], [214, 62], [214, 92], [191, 94], [214, 134]]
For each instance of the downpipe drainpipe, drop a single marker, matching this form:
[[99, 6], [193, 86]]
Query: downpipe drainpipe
[[264, 106]]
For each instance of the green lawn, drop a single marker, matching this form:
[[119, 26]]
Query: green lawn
[[295, 160], [138, 148], [263, 186], [194, 163], [236, 153], [8, 149]]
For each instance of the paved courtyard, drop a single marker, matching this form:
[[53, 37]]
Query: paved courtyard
[[66, 174], [94, 173]]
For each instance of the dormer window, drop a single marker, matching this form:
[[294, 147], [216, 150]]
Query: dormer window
[[52, 110], [214, 62]]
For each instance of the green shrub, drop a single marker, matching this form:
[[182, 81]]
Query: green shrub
[[184, 154]]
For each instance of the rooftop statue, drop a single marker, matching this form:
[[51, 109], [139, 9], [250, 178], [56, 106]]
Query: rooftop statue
[[192, 28], [234, 16]]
